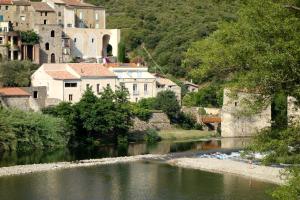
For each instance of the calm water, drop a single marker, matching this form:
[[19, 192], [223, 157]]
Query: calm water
[[18, 158], [133, 181]]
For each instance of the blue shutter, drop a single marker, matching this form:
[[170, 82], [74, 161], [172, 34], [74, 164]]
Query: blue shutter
[[1, 18]]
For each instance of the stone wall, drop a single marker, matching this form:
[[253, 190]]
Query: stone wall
[[237, 125], [21, 103], [158, 121]]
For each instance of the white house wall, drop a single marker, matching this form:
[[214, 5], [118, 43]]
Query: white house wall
[[89, 42]]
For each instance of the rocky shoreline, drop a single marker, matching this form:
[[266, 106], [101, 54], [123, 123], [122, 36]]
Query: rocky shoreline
[[263, 173]]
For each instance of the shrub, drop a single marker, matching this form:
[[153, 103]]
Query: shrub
[[151, 136], [186, 121], [29, 130]]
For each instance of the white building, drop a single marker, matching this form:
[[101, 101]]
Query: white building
[[139, 82], [68, 82]]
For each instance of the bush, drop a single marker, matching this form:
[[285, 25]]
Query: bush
[[28, 130], [186, 121], [141, 113], [151, 136], [148, 103]]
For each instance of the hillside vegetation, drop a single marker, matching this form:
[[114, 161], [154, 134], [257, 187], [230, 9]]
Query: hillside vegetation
[[166, 28]]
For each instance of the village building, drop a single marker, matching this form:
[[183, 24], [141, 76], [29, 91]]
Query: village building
[[191, 87], [234, 123], [23, 98], [163, 84], [68, 82], [67, 29], [139, 82]]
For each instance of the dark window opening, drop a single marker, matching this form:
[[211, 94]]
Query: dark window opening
[[35, 94], [70, 97], [98, 88], [70, 84], [47, 46], [52, 33], [45, 21]]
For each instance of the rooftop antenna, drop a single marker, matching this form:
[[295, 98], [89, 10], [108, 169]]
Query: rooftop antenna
[[149, 55]]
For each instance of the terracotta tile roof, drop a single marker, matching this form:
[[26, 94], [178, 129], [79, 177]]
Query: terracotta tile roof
[[128, 65], [13, 91], [77, 3], [91, 70], [41, 6], [5, 2], [164, 81], [61, 75], [21, 2]]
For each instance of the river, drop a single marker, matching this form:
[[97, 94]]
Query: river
[[131, 181], [132, 149]]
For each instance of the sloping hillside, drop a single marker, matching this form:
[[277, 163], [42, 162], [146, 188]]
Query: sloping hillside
[[166, 28]]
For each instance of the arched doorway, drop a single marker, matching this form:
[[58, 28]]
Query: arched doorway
[[106, 47], [52, 58]]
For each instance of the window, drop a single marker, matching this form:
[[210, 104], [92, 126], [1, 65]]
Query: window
[[45, 21], [69, 25], [107, 85], [97, 26], [136, 99], [75, 40], [134, 87], [53, 58], [1, 40], [235, 104], [35, 94], [96, 16], [59, 14], [70, 84], [146, 88], [6, 7], [98, 88], [17, 23], [46, 13], [52, 33], [92, 40], [41, 13], [22, 18], [70, 97], [80, 15], [47, 46]]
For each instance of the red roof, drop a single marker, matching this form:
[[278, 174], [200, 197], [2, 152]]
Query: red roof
[[13, 91], [61, 75], [5, 2], [41, 6], [91, 70]]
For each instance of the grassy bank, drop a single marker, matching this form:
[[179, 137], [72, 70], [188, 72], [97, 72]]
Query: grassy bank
[[180, 134]]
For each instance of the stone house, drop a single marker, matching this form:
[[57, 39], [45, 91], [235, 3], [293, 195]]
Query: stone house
[[25, 98], [236, 125], [162, 84], [191, 87], [68, 82]]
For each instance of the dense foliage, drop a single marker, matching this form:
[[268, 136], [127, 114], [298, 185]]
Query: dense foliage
[[165, 28], [208, 96], [29, 37], [95, 117], [16, 73], [21, 130], [259, 52]]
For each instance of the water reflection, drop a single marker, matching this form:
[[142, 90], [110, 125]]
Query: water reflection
[[132, 181], [164, 147]]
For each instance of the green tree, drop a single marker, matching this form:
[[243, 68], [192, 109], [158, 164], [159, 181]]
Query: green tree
[[29, 37], [16, 73], [121, 52], [167, 102]]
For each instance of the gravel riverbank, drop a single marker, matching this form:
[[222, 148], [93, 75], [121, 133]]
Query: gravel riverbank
[[263, 173], [26, 169]]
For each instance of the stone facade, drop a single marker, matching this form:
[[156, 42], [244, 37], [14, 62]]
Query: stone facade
[[50, 43], [158, 121], [235, 125]]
